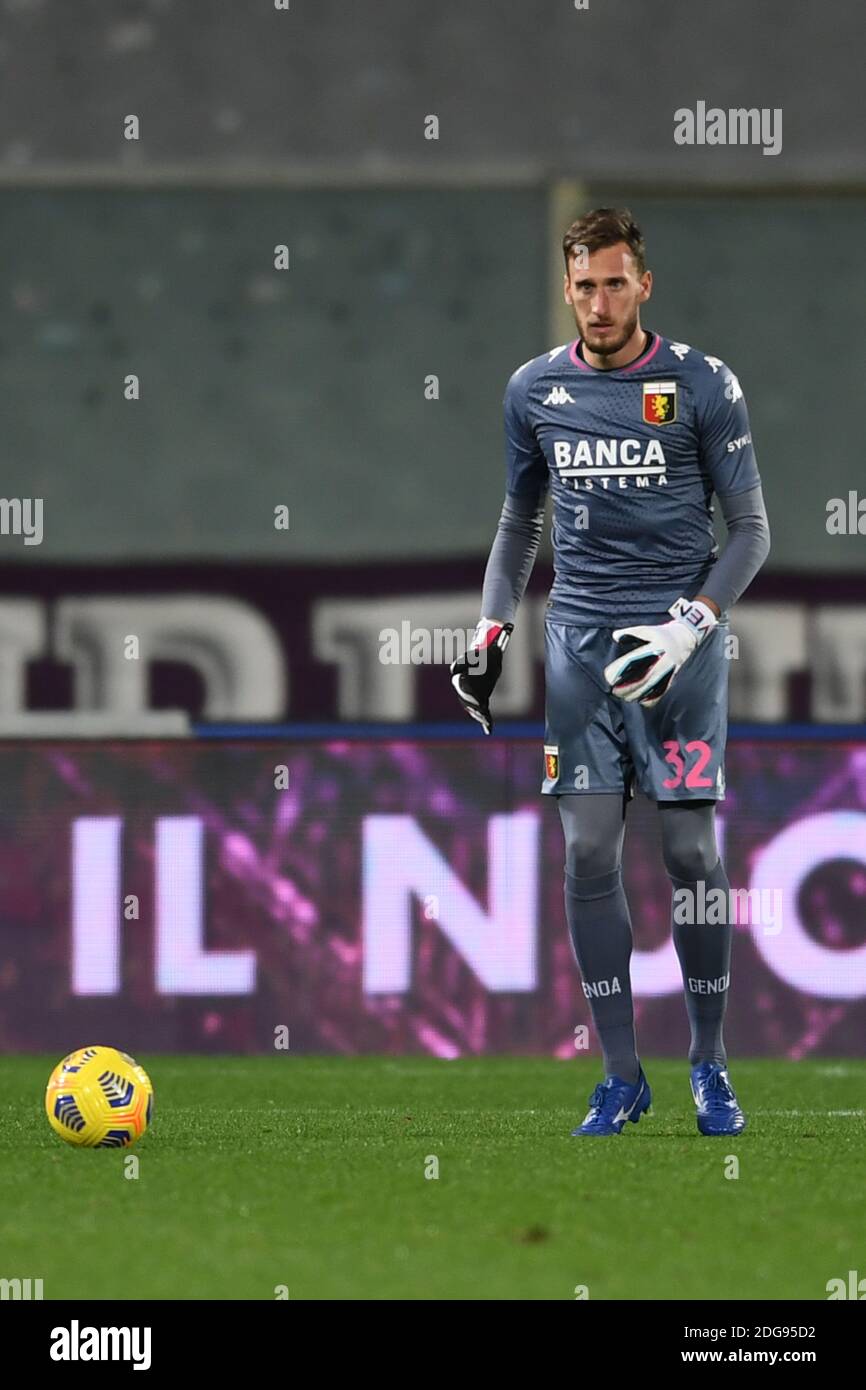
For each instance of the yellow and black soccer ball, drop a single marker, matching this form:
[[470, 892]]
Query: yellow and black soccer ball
[[99, 1098]]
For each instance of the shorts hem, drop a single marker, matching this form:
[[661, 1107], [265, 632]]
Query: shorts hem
[[581, 791], [671, 800]]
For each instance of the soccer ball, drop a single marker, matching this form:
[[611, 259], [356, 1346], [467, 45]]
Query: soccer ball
[[99, 1098]]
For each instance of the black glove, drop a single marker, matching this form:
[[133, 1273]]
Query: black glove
[[475, 674]]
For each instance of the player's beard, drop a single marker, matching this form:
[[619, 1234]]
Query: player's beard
[[607, 346]]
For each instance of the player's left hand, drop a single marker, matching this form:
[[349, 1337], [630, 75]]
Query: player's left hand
[[651, 656]]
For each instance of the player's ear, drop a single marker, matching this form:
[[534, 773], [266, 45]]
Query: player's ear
[[565, 289], [646, 281]]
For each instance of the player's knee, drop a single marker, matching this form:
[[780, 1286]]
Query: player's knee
[[593, 830], [691, 862], [587, 855]]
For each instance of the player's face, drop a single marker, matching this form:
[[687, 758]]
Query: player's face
[[606, 293]]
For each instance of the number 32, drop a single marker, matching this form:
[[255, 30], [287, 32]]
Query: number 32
[[693, 778]]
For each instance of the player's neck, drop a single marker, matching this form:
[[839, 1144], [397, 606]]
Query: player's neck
[[629, 352]]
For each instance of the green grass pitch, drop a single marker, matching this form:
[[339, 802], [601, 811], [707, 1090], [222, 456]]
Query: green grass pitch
[[309, 1172]]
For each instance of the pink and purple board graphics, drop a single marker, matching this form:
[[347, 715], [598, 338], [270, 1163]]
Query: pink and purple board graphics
[[397, 896]]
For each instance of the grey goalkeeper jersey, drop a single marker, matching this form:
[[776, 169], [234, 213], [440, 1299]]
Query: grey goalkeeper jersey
[[632, 458]]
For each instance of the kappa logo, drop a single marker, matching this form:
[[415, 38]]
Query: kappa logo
[[714, 362], [558, 396], [660, 402], [733, 389], [680, 349]]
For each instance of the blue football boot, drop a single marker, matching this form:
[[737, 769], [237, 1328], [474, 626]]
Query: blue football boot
[[612, 1103], [718, 1108]]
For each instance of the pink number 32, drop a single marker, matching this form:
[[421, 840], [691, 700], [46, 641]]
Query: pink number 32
[[694, 777]]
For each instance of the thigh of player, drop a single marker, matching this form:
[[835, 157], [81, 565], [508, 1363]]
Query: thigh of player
[[678, 748], [585, 743]]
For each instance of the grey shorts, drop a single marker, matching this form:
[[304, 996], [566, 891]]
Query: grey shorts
[[594, 742]]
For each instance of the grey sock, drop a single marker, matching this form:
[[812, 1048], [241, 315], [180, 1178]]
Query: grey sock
[[600, 929], [702, 937]]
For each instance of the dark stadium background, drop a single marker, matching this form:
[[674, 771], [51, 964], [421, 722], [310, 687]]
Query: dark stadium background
[[305, 388]]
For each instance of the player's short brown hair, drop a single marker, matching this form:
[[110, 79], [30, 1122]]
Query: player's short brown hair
[[605, 227]]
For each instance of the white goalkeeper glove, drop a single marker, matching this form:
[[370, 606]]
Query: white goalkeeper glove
[[651, 656]]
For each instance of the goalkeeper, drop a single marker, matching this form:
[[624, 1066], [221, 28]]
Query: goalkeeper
[[633, 434]]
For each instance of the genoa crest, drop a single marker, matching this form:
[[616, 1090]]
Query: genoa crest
[[659, 402]]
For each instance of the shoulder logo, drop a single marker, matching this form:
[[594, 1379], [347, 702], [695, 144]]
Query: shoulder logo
[[554, 352], [679, 349], [735, 444], [733, 389], [714, 362], [558, 396], [659, 402]]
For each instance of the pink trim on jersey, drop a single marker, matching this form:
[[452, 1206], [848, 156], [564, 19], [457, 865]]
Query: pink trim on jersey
[[578, 361], [632, 366]]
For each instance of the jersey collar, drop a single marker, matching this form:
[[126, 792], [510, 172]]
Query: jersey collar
[[655, 344]]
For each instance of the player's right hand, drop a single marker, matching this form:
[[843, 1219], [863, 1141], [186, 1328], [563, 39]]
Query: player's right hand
[[475, 674]]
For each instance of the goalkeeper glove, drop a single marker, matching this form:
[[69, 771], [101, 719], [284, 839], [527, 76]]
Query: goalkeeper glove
[[475, 674], [651, 656]]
